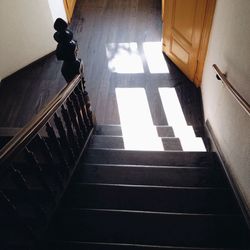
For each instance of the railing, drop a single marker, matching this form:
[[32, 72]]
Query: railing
[[37, 164], [220, 76]]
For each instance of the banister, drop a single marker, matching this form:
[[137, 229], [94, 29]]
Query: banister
[[30, 130], [48, 149], [220, 76]]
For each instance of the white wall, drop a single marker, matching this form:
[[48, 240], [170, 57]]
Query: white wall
[[26, 32], [229, 48], [57, 9]]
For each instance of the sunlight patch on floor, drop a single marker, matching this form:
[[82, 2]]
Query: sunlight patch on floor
[[139, 132], [124, 58], [155, 59], [176, 119]]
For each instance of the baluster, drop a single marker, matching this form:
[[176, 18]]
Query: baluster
[[87, 102], [11, 208], [79, 115], [26, 190], [54, 169], [57, 147], [79, 94], [71, 137], [72, 114], [32, 160], [64, 139]]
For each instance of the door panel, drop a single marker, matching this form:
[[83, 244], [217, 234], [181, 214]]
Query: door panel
[[178, 51], [184, 13], [182, 31]]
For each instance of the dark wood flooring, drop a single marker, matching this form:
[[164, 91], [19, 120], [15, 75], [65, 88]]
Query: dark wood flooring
[[97, 23]]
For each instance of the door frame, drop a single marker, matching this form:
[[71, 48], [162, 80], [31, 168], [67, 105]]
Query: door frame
[[69, 9], [207, 25]]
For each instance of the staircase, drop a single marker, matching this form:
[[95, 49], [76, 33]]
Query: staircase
[[123, 199], [67, 184]]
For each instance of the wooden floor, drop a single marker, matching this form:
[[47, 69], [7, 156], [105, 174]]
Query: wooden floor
[[98, 25]]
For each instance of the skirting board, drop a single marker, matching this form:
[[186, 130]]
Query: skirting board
[[27, 66], [232, 182]]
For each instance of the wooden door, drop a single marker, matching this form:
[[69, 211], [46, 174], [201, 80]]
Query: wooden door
[[69, 8], [186, 27]]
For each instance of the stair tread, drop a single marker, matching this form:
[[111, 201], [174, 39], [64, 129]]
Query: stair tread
[[162, 158], [117, 142], [136, 227], [151, 198], [151, 175], [162, 130], [109, 129]]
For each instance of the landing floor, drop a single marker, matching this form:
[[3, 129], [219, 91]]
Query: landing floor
[[119, 43]]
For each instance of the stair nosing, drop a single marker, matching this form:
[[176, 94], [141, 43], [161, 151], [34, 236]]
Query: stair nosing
[[121, 136], [139, 245], [141, 150], [155, 151], [162, 137], [146, 166], [119, 125], [147, 186], [149, 212]]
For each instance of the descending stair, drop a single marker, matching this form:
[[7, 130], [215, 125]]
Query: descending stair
[[124, 199]]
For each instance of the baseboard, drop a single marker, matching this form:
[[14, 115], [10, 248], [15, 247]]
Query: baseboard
[[238, 195], [27, 66]]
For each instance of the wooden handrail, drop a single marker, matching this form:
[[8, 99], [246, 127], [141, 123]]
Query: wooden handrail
[[220, 76], [30, 130]]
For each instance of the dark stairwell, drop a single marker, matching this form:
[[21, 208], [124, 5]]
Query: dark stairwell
[[147, 179]]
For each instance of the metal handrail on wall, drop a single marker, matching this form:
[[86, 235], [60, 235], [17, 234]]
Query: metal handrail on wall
[[222, 77]]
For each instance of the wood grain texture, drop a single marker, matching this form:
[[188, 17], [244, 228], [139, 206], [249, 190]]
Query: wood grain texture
[[95, 24]]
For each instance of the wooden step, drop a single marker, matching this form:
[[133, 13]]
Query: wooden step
[[151, 198], [116, 130], [76, 245], [162, 130], [117, 142], [151, 175], [156, 158], [133, 227]]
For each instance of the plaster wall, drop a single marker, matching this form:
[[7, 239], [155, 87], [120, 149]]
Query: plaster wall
[[26, 32], [229, 48]]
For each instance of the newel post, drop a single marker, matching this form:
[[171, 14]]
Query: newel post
[[72, 66]]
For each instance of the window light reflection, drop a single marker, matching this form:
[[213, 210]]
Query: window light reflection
[[155, 59], [124, 58], [176, 119], [138, 130]]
